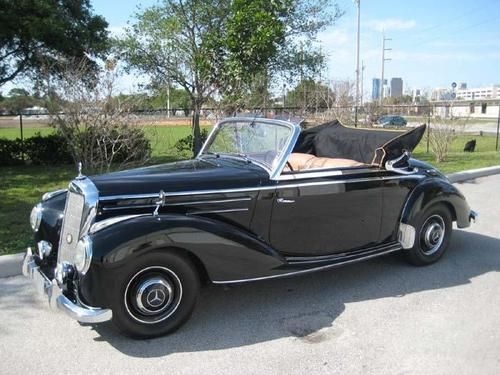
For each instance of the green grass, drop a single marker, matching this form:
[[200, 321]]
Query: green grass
[[22, 186]]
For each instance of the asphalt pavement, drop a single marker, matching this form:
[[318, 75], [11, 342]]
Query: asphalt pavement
[[377, 317]]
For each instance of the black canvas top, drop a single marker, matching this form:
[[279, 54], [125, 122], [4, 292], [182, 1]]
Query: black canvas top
[[369, 146]]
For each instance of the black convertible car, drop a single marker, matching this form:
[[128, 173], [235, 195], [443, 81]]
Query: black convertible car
[[263, 199]]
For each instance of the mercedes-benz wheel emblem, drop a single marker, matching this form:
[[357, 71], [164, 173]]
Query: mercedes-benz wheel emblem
[[156, 297]]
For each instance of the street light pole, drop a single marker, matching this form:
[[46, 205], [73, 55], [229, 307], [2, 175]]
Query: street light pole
[[498, 126], [357, 66], [384, 39]]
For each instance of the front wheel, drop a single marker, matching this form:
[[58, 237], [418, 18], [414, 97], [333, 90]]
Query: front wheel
[[432, 235], [156, 296]]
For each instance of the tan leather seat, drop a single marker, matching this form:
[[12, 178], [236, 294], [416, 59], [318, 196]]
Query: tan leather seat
[[300, 162]]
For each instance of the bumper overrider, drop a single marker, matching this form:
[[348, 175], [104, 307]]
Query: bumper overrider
[[51, 290]]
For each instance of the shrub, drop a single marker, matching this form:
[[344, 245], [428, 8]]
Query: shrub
[[186, 144], [46, 150], [10, 152]]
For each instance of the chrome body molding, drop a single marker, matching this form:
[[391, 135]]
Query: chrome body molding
[[203, 212], [309, 270], [256, 188], [100, 225], [55, 297], [406, 235]]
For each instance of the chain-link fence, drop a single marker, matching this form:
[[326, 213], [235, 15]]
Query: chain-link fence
[[166, 127]]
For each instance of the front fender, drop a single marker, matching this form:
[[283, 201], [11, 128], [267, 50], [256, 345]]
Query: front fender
[[432, 191], [225, 251]]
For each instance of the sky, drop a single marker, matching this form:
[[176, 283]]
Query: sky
[[434, 42]]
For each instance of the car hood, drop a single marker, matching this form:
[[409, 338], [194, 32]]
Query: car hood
[[187, 175]]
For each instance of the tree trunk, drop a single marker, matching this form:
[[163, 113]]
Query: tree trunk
[[197, 143]]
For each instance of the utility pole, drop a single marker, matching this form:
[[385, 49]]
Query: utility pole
[[363, 66], [384, 39], [168, 99], [357, 66]]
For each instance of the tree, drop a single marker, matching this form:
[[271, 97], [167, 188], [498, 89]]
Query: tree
[[218, 46], [37, 35], [98, 127]]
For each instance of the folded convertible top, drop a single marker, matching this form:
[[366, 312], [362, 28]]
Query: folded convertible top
[[369, 146]]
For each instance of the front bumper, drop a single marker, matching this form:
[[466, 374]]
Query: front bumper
[[56, 299]]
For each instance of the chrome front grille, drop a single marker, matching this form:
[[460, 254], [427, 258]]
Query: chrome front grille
[[79, 214], [70, 231]]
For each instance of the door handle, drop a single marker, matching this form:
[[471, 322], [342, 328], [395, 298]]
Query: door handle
[[283, 200]]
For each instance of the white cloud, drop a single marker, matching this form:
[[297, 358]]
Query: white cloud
[[391, 24]]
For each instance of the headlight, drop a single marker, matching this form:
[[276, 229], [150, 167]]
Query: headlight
[[83, 255], [36, 217]]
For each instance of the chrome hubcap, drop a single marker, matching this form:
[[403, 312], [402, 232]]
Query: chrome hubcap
[[432, 234], [153, 294]]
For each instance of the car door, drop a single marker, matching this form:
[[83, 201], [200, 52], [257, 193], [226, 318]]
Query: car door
[[321, 213]]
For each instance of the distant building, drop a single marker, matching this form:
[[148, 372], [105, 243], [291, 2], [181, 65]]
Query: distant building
[[478, 108], [489, 92], [396, 87], [463, 86], [376, 88], [416, 94], [441, 94]]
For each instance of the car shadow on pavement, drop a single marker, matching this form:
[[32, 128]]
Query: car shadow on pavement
[[300, 307]]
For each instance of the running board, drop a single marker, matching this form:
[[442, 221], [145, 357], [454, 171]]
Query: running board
[[333, 261], [356, 254]]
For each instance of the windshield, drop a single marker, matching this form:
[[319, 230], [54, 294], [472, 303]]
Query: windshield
[[255, 140]]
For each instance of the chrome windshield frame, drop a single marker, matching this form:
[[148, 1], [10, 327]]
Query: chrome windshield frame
[[280, 162]]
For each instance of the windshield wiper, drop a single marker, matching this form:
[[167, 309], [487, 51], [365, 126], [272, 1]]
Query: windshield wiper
[[216, 154], [238, 155]]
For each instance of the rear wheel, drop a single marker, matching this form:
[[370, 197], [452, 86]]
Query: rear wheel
[[156, 296], [432, 235]]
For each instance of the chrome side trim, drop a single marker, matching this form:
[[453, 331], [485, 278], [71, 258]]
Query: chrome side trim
[[406, 235], [112, 221], [257, 188], [215, 201], [311, 174], [308, 270], [217, 211]]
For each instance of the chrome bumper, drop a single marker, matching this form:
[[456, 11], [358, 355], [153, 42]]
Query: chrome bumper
[[51, 290]]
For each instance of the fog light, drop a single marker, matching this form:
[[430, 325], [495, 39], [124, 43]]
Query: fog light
[[83, 255], [36, 217]]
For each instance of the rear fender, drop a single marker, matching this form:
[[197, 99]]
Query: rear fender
[[433, 191]]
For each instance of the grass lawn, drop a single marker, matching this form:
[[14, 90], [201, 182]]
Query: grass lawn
[[21, 187]]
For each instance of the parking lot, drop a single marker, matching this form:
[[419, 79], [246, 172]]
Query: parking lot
[[381, 316]]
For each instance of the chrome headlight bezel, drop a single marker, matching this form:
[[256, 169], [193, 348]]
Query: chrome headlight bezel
[[83, 255], [36, 217]]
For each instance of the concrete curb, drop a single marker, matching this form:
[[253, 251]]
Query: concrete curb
[[473, 173], [10, 265]]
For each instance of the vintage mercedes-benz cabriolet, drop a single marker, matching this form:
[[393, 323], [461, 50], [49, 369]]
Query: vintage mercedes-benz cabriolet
[[263, 199]]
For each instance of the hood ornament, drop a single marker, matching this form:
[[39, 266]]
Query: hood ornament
[[80, 175], [160, 202]]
